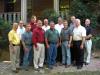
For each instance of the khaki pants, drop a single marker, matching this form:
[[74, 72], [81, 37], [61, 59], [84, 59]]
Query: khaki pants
[[39, 55], [14, 57]]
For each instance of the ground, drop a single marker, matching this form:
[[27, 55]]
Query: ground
[[91, 69]]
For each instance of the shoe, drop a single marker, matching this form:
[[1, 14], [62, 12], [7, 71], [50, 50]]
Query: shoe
[[50, 67], [36, 69], [86, 63], [18, 68], [66, 66], [40, 67], [55, 65], [15, 71], [79, 67]]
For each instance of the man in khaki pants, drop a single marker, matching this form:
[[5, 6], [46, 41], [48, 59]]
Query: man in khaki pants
[[14, 42], [39, 49]]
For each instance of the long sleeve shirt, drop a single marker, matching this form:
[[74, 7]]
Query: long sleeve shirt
[[38, 36]]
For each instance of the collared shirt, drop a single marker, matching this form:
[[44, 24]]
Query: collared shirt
[[78, 33], [20, 31], [88, 30], [52, 35], [72, 26], [38, 35], [65, 34], [33, 26], [14, 37], [45, 28], [27, 38], [59, 27]]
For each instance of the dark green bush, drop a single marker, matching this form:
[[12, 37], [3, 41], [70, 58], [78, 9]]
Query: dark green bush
[[50, 14], [4, 29], [82, 11]]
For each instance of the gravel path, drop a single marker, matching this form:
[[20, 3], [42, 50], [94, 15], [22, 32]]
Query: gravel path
[[5, 69]]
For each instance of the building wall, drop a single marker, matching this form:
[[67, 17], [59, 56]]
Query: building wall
[[1, 6]]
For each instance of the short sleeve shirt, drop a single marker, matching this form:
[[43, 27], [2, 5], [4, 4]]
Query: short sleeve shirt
[[78, 33], [52, 35], [65, 34], [27, 38]]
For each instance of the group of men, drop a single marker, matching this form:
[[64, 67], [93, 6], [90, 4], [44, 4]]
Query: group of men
[[37, 43]]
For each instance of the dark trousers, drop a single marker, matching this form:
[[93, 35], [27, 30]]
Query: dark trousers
[[72, 54], [59, 54], [21, 54], [79, 53], [46, 53]]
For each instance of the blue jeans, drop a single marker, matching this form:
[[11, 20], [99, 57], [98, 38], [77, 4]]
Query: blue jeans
[[66, 55], [52, 54], [27, 59]]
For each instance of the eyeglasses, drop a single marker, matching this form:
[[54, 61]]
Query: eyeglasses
[[21, 23]]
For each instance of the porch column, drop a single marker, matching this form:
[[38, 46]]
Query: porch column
[[56, 6], [24, 11]]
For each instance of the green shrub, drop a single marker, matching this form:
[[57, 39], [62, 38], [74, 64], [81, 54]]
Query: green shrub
[[50, 14], [4, 29], [82, 11]]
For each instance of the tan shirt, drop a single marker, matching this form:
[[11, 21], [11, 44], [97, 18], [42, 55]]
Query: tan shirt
[[78, 33]]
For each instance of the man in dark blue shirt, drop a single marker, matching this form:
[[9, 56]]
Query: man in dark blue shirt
[[88, 42]]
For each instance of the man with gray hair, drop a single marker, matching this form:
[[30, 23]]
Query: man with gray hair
[[79, 34], [14, 48]]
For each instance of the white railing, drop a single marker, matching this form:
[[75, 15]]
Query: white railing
[[11, 16]]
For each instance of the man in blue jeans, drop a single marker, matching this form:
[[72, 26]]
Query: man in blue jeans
[[27, 44], [52, 42], [65, 40]]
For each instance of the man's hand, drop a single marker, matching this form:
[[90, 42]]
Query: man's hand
[[69, 45], [26, 50], [12, 48], [81, 46], [36, 47], [48, 46]]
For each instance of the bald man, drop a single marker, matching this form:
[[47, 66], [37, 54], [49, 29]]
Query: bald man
[[79, 34], [88, 42], [14, 47]]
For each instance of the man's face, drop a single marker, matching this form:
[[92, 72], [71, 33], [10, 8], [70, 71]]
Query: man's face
[[77, 22], [73, 19], [87, 22], [60, 21], [65, 24], [28, 27], [39, 24], [45, 22], [33, 19], [21, 23], [52, 25]]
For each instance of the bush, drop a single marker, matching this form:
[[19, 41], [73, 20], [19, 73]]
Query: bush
[[50, 14], [82, 11], [4, 29], [96, 42]]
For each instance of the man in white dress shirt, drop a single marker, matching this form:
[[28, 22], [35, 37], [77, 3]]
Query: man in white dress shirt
[[46, 26], [79, 34], [20, 32], [59, 27]]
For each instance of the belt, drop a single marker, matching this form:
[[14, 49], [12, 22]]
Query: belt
[[64, 40], [41, 42], [29, 44], [52, 42], [16, 45]]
